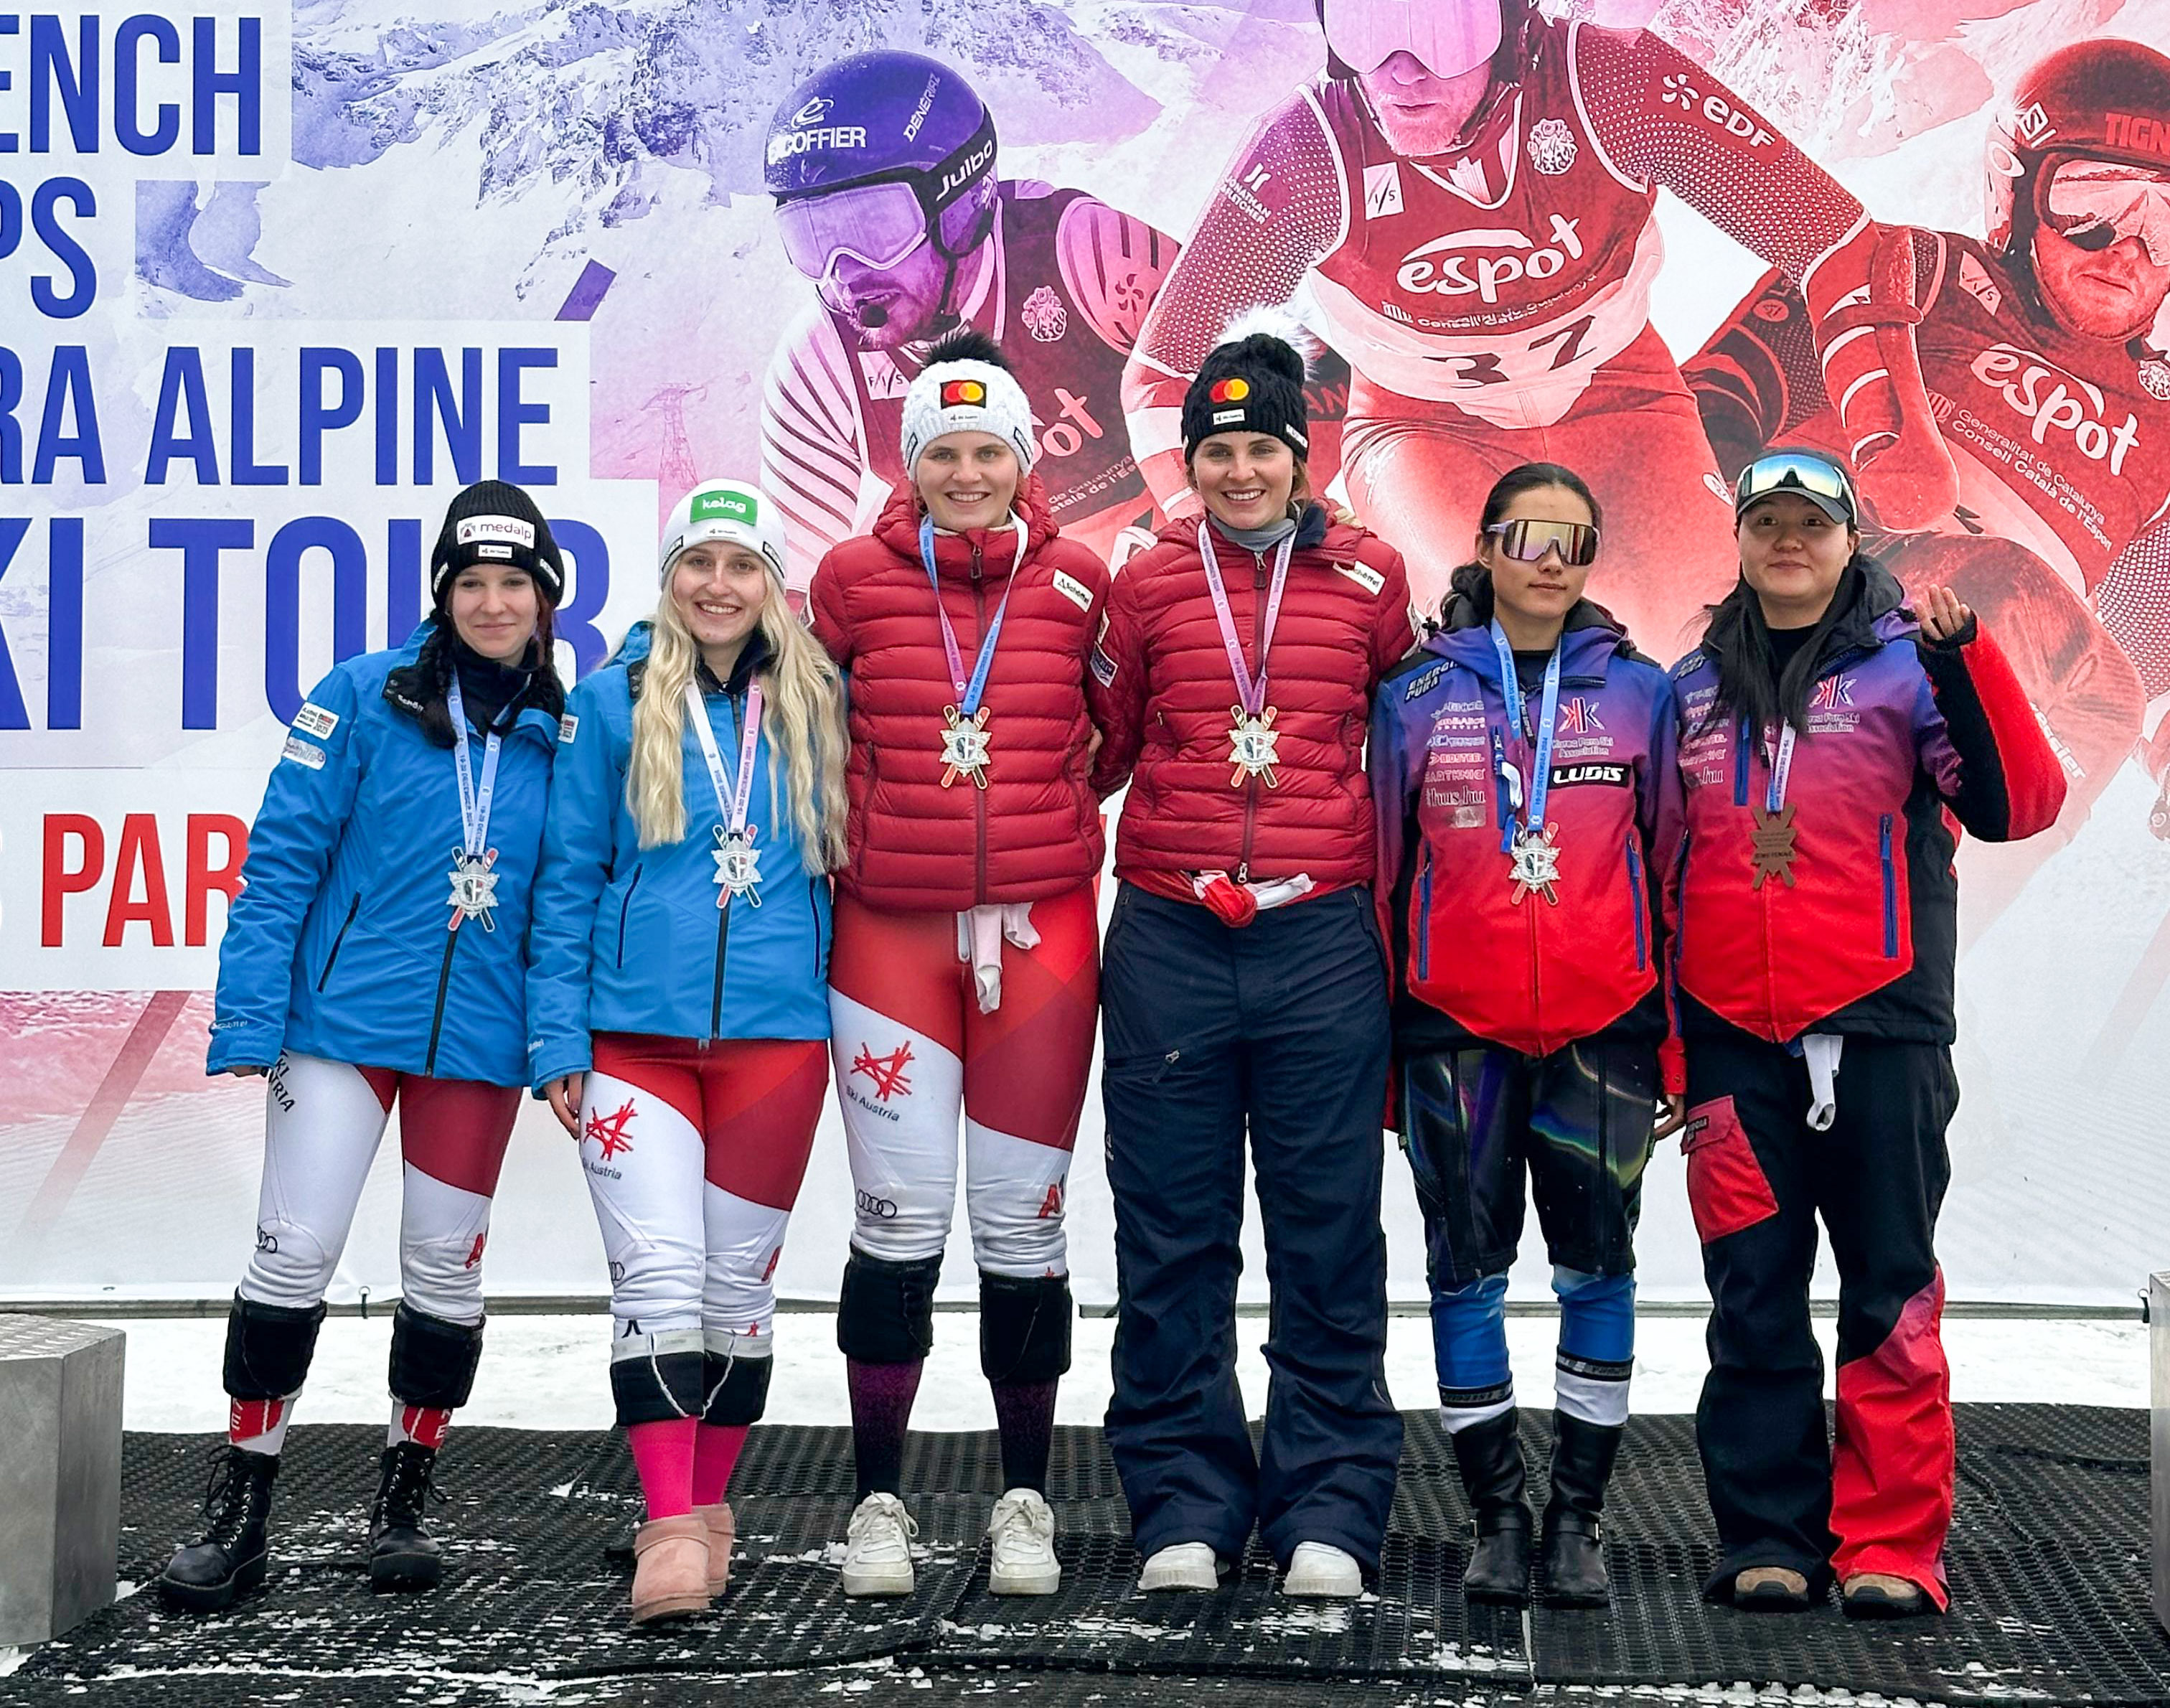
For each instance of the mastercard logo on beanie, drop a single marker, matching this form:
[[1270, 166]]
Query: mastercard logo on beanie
[[1231, 391], [957, 393]]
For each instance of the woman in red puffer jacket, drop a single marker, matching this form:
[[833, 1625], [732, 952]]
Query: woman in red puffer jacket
[[1245, 989], [965, 969]]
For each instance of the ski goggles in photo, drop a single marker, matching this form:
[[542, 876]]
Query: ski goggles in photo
[[876, 225], [1526, 540], [2092, 204], [1447, 37], [1819, 480]]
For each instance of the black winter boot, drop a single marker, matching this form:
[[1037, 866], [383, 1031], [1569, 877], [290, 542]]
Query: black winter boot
[[402, 1554], [229, 1562], [1490, 1457], [1571, 1571]]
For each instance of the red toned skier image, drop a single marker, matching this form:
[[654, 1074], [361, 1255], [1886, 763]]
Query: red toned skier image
[[2044, 374], [1461, 205], [883, 169]]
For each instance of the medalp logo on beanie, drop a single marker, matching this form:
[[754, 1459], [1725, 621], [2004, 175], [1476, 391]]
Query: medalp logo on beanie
[[508, 529], [962, 393]]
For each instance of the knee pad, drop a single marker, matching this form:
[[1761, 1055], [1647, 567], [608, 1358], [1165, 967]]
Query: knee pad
[[735, 1385], [1597, 1315], [1469, 1344], [655, 1378], [269, 1347], [885, 1312], [433, 1360], [1024, 1328]]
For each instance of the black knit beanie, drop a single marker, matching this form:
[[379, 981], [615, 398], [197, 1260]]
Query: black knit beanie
[[1253, 384], [495, 521]]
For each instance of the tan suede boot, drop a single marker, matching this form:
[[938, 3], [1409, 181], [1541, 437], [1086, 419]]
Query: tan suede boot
[[670, 1578], [722, 1530]]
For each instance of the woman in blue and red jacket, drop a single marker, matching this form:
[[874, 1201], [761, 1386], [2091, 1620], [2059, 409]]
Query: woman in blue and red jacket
[[1523, 773], [1829, 738]]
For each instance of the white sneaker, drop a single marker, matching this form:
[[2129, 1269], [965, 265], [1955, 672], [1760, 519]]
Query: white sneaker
[[1182, 1566], [878, 1548], [1322, 1570], [1022, 1560]]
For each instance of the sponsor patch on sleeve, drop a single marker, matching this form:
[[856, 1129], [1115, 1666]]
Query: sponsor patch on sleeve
[[1370, 580], [1075, 591], [568, 727], [1103, 668], [312, 720], [303, 752]]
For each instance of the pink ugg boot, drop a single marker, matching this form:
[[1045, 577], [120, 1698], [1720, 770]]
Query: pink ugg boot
[[723, 1531], [672, 1578]]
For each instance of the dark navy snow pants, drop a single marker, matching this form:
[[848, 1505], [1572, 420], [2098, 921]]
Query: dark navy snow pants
[[1278, 1029]]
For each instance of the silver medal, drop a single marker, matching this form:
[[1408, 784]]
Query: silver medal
[[475, 887], [1253, 745], [964, 747], [1534, 864], [738, 866]]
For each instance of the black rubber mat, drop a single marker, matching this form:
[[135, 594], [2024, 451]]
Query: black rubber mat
[[2048, 1561]]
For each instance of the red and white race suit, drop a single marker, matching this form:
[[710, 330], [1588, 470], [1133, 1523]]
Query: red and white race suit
[[1494, 303]]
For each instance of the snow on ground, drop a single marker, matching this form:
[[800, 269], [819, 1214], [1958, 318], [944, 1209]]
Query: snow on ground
[[551, 1371]]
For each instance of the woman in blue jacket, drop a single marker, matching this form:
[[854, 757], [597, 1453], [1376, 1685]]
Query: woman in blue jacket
[[679, 998], [377, 955]]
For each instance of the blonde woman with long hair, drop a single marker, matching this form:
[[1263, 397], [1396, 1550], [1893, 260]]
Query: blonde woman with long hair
[[678, 998]]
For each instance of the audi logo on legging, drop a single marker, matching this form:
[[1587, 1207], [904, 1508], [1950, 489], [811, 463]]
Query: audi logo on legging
[[870, 1205]]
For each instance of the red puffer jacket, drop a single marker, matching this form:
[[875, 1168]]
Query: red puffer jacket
[[1162, 694], [1034, 829]]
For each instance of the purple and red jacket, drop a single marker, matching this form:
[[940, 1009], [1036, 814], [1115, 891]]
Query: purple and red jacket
[[1530, 975], [1908, 740]]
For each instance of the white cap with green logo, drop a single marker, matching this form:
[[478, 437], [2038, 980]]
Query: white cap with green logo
[[730, 511]]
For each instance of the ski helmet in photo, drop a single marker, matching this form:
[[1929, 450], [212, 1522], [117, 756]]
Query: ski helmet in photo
[[495, 522], [875, 154], [966, 387], [1252, 382], [2105, 100], [728, 512]]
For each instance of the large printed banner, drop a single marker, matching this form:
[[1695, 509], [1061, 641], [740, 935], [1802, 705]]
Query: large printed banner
[[276, 280]]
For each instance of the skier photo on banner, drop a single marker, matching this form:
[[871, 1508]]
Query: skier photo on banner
[[2039, 362], [1461, 204], [884, 168]]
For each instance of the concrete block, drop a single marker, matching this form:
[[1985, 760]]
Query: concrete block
[[60, 1474]]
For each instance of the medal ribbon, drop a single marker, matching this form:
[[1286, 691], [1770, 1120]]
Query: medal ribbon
[[1540, 776], [731, 797], [1250, 691], [1780, 759], [970, 691], [474, 804]]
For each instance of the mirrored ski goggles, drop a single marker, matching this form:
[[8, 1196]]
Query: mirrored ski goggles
[[1816, 479], [876, 225], [2093, 203], [1448, 37], [1527, 540]]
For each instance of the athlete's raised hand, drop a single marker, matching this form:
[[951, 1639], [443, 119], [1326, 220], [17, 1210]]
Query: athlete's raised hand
[[1943, 618], [565, 1094]]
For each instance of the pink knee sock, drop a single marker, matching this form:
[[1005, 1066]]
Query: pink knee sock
[[715, 1452], [663, 1456]]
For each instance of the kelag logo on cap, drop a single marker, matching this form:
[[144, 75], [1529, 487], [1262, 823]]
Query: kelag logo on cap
[[726, 506], [964, 391]]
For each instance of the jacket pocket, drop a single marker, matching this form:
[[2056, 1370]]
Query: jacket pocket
[[346, 925], [624, 908], [1635, 905], [1890, 889], [1424, 917], [1727, 1188]]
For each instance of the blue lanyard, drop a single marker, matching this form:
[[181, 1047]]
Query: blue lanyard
[[968, 694], [1541, 778], [474, 804]]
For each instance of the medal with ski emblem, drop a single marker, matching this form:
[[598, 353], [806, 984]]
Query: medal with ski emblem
[[964, 723], [737, 865], [965, 746], [1771, 842], [475, 887], [1535, 861], [1252, 744], [474, 879], [738, 861]]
